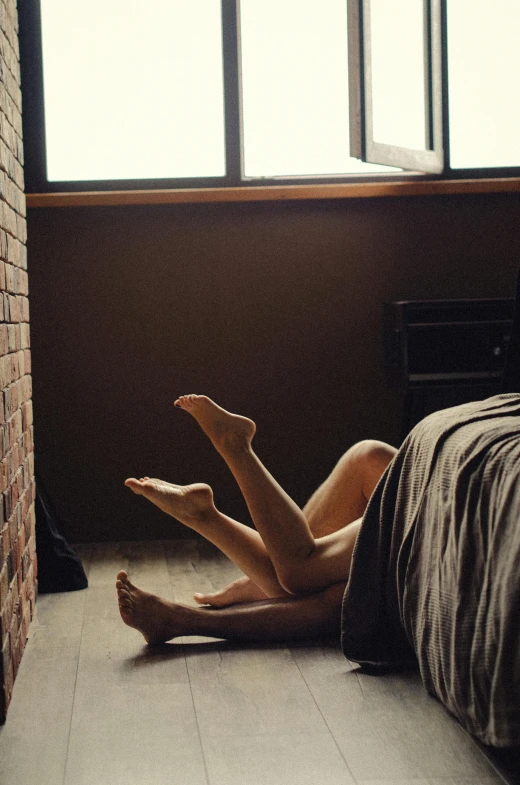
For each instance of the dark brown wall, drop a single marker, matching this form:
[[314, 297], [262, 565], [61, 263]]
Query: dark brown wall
[[273, 309]]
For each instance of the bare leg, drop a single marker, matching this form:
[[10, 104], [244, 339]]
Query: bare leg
[[302, 563], [271, 620], [280, 523], [193, 506], [344, 495], [341, 499]]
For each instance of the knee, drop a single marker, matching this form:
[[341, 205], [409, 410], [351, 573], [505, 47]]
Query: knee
[[297, 578], [292, 581], [369, 459], [373, 454], [368, 455]]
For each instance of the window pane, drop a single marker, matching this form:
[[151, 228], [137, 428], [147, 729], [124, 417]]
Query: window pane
[[483, 71], [133, 89], [295, 88], [398, 73]]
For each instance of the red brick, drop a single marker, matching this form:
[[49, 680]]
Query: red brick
[[10, 308], [11, 337], [25, 336], [15, 495], [3, 475], [21, 363], [5, 371], [4, 339], [29, 446], [4, 585], [27, 381], [5, 619], [7, 510], [25, 309], [24, 282], [15, 366], [27, 414], [5, 545], [10, 285]]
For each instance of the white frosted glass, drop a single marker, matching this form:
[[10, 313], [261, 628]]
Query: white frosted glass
[[294, 74], [484, 73], [133, 89], [398, 73]]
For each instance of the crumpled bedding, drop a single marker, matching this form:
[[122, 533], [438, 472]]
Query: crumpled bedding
[[435, 577]]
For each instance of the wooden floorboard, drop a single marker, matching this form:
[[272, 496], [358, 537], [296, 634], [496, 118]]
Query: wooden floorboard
[[93, 705]]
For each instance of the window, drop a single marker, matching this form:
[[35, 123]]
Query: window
[[396, 82], [484, 57], [176, 94], [133, 89], [434, 84]]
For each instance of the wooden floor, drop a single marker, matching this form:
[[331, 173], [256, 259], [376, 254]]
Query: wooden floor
[[92, 706]]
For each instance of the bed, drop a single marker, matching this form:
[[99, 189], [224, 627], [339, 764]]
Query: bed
[[435, 578]]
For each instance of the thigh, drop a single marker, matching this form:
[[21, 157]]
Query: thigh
[[328, 564], [344, 495]]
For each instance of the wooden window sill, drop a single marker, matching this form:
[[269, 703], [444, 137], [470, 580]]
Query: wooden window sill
[[275, 193]]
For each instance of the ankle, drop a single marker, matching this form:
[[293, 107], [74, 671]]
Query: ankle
[[235, 448]]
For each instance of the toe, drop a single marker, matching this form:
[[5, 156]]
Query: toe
[[123, 582], [126, 614], [134, 485], [210, 599]]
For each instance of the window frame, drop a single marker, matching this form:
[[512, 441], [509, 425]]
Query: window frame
[[362, 144], [432, 160], [34, 131]]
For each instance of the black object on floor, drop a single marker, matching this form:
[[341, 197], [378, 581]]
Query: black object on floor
[[59, 566]]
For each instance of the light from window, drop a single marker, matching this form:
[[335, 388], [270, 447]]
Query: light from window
[[133, 89], [484, 70], [398, 73], [295, 89]]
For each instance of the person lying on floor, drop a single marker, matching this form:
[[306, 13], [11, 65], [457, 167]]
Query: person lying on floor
[[297, 562]]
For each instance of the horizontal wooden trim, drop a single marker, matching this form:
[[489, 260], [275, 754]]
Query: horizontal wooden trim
[[275, 193]]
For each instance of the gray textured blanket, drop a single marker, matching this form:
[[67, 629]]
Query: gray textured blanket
[[435, 577]]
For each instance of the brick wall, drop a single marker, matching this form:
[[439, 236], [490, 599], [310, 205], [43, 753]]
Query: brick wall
[[17, 537]]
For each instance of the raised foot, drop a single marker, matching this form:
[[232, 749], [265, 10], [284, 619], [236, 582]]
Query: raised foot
[[188, 503], [156, 619], [227, 431]]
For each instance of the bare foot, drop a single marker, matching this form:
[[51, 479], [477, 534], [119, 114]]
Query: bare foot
[[156, 619], [188, 503], [241, 590], [227, 431]]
